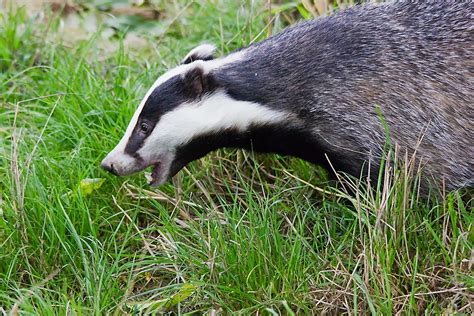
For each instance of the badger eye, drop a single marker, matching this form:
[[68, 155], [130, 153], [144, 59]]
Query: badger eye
[[144, 127]]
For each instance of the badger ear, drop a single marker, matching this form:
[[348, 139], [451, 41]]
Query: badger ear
[[198, 83], [202, 52]]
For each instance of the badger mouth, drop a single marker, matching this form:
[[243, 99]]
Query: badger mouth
[[155, 173], [162, 170], [156, 177]]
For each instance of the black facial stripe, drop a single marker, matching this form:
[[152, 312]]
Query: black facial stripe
[[135, 142], [166, 97]]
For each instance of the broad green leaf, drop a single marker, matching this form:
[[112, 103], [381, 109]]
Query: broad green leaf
[[184, 292], [146, 307], [89, 185], [153, 307]]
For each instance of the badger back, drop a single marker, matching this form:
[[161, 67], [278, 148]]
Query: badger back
[[410, 62]]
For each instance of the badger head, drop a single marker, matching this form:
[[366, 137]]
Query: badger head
[[183, 116]]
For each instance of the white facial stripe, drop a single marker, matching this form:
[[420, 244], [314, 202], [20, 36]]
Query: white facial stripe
[[181, 69], [217, 112]]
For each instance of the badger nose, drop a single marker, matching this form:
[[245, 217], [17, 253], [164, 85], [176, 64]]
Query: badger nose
[[109, 167]]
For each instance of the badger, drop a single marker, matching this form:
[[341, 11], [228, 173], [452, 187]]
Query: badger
[[327, 91]]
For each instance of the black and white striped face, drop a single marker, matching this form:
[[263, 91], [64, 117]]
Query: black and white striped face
[[184, 115]]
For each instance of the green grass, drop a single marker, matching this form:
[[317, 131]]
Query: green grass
[[234, 232]]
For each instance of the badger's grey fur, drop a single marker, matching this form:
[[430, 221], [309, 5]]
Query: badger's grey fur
[[315, 90]]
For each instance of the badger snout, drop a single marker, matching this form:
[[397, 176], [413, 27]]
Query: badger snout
[[108, 166], [121, 164]]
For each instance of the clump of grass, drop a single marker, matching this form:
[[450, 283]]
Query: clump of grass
[[396, 225], [234, 233]]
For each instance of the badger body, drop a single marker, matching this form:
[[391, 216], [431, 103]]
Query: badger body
[[331, 89]]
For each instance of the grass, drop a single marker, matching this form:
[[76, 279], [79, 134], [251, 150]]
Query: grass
[[234, 232]]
